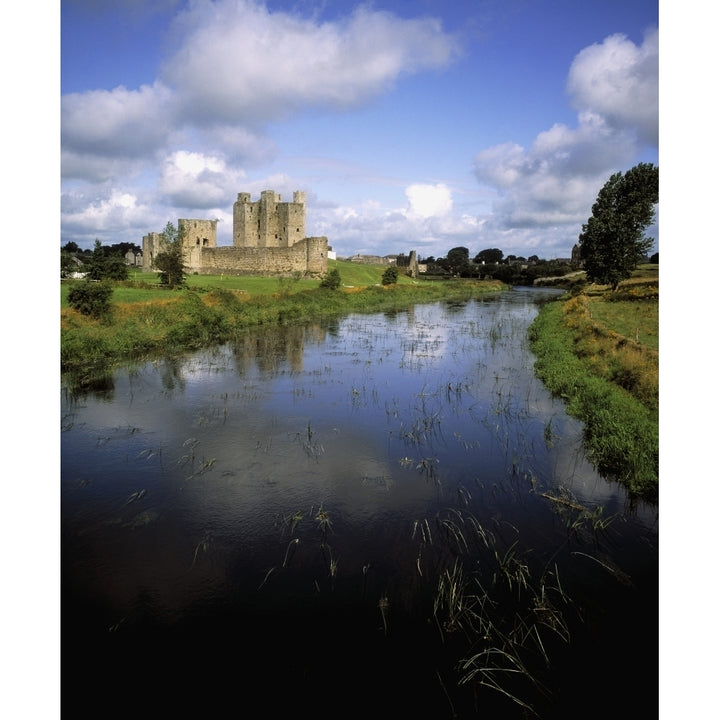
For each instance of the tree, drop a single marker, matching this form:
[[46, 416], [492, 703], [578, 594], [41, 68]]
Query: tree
[[390, 275], [458, 259], [490, 256], [102, 266], [613, 240], [67, 264], [331, 280], [171, 262]]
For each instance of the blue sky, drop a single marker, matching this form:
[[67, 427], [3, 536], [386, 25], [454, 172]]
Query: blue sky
[[421, 125]]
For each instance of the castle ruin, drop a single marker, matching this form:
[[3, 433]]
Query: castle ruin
[[268, 239]]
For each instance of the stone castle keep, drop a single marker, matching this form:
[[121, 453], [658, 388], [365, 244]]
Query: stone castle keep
[[268, 239]]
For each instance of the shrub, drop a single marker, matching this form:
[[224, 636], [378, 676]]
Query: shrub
[[331, 280], [91, 298], [390, 276]]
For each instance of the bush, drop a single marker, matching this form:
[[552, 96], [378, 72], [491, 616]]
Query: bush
[[91, 298], [331, 280], [390, 276]]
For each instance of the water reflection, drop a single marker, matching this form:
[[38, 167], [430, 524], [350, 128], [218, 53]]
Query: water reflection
[[305, 478]]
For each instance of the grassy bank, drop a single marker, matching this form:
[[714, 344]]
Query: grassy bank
[[147, 320], [599, 351]]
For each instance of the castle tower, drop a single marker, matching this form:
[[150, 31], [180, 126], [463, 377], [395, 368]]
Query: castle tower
[[196, 235], [269, 222]]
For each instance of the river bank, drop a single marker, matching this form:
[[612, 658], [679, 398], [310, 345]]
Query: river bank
[[599, 352], [151, 321]]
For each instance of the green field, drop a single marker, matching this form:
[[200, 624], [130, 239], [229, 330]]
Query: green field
[[145, 286]]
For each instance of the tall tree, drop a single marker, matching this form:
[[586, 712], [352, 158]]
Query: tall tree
[[458, 259], [491, 255], [613, 239], [102, 266], [171, 262]]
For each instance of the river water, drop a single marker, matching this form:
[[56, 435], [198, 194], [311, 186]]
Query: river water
[[380, 515]]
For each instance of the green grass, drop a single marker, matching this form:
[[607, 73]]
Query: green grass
[[145, 286], [608, 380], [632, 319]]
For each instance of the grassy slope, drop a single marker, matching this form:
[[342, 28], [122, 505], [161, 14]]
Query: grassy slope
[[587, 353]]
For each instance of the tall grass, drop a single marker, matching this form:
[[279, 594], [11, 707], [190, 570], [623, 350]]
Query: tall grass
[[609, 383]]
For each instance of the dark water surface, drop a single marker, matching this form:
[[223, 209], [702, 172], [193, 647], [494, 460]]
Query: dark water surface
[[266, 528]]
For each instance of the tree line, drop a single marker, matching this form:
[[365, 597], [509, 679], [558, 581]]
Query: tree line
[[611, 244]]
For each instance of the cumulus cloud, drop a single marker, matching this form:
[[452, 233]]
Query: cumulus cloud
[[545, 192], [426, 224], [106, 216], [240, 63], [428, 200], [235, 67], [619, 81], [195, 180], [115, 123]]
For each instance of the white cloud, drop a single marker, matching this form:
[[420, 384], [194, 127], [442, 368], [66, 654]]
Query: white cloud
[[240, 63], [544, 193], [115, 123], [195, 180], [106, 217], [427, 224], [428, 200], [619, 81]]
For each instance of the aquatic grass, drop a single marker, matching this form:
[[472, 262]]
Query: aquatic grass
[[512, 571], [292, 545], [324, 523], [134, 497], [576, 516], [312, 448], [427, 467], [291, 522], [506, 613], [497, 669], [384, 607], [203, 545], [424, 528], [267, 577]]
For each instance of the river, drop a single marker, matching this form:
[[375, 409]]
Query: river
[[380, 515]]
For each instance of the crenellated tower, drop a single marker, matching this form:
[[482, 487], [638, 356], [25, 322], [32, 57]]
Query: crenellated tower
[[268, 222]]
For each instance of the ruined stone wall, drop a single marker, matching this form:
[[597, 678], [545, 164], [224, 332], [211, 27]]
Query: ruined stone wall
[[269, 222], [307, 256], [152, 244], [413, 267], [197, 235]]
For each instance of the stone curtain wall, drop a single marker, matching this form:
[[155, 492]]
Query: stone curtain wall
[[307, 256]]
